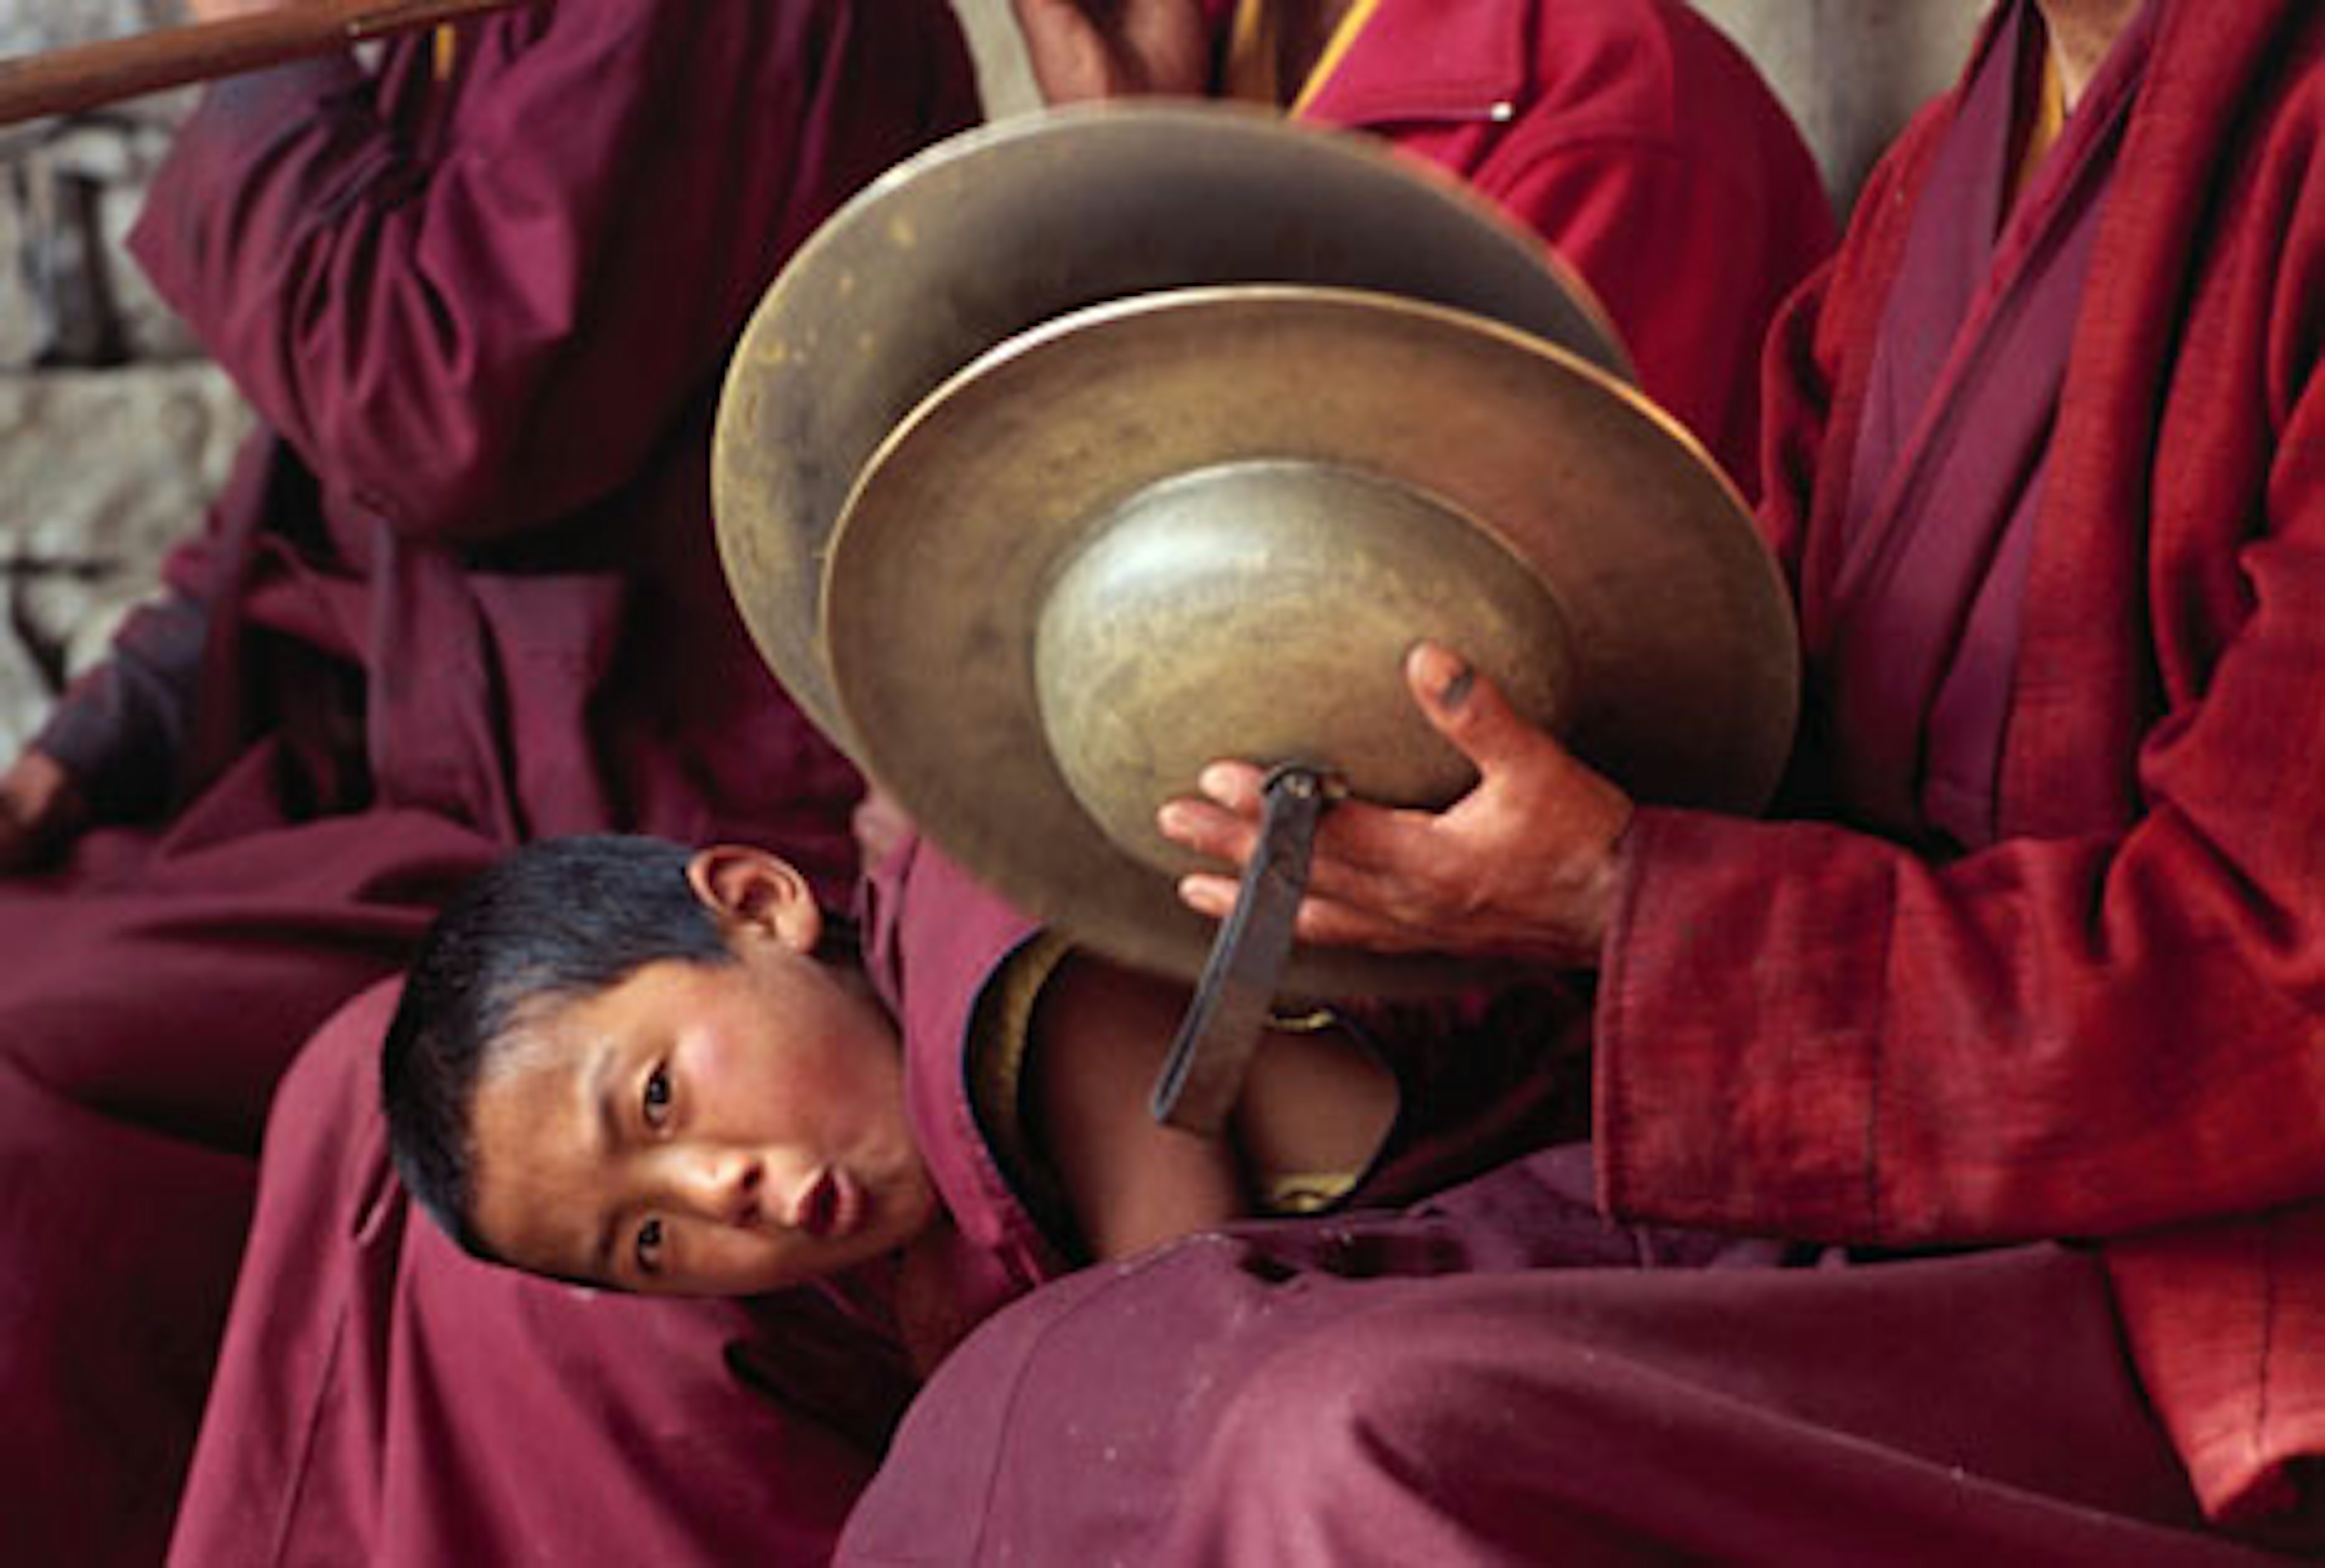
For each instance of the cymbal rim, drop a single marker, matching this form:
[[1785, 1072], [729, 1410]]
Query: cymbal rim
[[938, 695], [900, 288]]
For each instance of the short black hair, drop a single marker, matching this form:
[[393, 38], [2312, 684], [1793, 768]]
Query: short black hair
[[559, 920]]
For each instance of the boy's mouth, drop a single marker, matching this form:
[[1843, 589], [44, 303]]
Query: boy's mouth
[[829, 1208]]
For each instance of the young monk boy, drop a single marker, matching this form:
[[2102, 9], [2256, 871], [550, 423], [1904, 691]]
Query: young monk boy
[[618, 1062]]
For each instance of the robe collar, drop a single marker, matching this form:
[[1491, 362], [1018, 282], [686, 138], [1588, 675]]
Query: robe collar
[[1951, 455]]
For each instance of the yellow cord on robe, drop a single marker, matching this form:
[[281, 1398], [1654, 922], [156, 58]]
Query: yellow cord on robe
[[1255, 53], [447, 47]]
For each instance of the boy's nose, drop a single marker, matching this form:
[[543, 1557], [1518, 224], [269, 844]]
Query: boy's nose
[[724, 1186]]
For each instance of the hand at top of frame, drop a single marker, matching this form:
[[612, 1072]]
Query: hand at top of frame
[[1103, 48], [1526, 865], [220, 10]]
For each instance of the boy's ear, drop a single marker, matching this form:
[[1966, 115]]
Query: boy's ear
[[759, 892]]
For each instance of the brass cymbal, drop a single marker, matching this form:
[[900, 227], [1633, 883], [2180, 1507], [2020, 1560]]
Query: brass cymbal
[[1209, 521], [1007, 227]]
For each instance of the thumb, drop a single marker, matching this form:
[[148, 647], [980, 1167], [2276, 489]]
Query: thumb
[[1463, 705]]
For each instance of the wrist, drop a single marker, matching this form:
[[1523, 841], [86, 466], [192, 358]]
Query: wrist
[[40, 799], [1608, 880]]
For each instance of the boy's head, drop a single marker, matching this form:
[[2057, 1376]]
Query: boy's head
[[621, 1062]]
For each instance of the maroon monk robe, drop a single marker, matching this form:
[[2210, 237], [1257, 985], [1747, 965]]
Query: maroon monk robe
[[1500, 1375], [2106, 1023], [466, 594], [1241, 1400], [1948, 469]]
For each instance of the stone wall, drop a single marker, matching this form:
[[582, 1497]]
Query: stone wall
[[113, 429], [1851, 70]]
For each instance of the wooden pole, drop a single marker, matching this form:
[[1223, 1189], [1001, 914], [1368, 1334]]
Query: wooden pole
[[62, 82]]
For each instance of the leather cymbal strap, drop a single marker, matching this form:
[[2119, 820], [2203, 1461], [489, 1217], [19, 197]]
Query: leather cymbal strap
[[1202, 1077]]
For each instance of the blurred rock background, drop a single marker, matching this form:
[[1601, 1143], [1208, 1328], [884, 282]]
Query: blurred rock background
[[114, 431]]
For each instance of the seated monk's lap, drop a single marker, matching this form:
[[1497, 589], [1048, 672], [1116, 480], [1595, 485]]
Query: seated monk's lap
[[174, 997]]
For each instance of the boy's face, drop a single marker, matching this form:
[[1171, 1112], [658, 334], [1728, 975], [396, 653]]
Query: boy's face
[[705, 1129]]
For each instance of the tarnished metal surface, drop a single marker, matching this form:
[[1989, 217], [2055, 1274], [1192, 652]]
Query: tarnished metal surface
[[1262, 608], [1004, 228], [1346, 472]]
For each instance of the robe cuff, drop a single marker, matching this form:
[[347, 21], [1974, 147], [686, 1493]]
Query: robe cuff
[[1704, 1114], [2226, 1322]]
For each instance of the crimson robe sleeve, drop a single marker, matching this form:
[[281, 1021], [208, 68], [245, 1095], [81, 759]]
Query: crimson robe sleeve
[[1806, 1030], [473, 344]]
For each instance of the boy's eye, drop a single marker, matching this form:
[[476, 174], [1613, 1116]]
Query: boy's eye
[[648, 1246], [656, 1097]]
